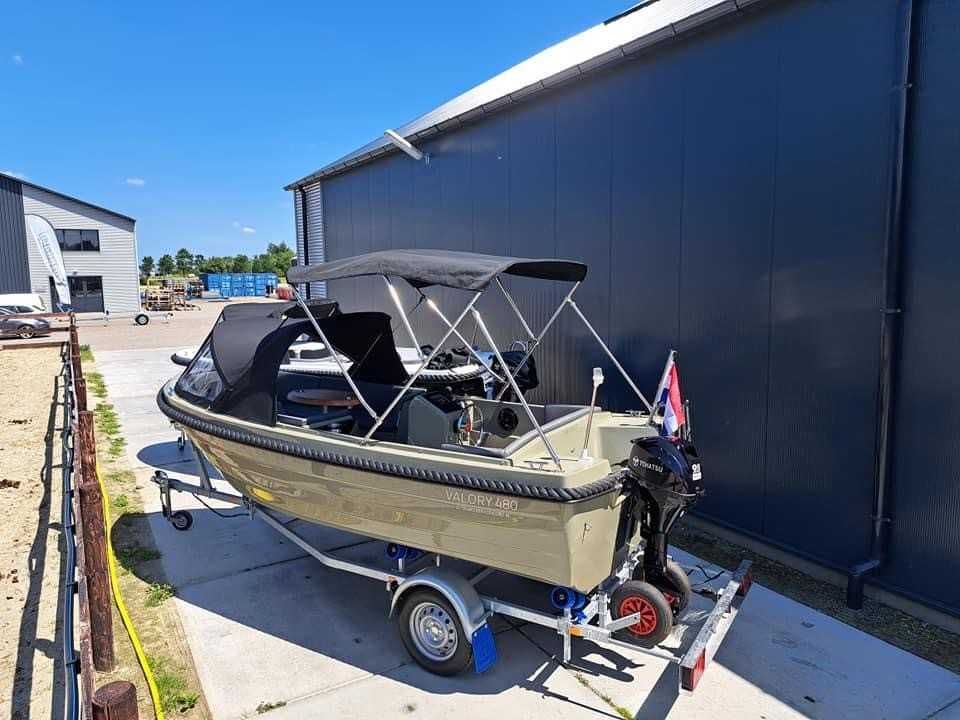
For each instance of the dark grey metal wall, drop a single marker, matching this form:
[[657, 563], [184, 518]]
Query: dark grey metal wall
[[925, 532], [729, 192], [14, 267]]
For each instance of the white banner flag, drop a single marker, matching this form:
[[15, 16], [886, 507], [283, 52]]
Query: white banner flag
[[45, 239]]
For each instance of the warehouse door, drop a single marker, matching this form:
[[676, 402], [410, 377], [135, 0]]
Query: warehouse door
[[86, 293]]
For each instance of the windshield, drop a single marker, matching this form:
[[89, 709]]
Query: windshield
[[201, 381]]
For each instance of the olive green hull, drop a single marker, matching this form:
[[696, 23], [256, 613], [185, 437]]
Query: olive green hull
[[564, 543]]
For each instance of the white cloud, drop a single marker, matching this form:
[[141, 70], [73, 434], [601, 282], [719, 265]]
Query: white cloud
[[249, 230], [17, 59], [17, 175], [135, 181]]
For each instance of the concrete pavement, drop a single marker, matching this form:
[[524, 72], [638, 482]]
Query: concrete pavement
[[268, 624]]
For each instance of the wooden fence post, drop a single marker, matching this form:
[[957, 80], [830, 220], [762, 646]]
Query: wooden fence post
[[116, 700], [80, 393], [95, 547]]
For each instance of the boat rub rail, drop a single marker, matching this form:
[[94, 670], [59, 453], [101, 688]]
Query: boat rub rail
[[613, 481]]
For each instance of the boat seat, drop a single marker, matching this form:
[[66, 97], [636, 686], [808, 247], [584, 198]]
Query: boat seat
[[314, 420]]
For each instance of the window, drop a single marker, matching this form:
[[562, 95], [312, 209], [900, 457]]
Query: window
[[201, 381], [79, 240]]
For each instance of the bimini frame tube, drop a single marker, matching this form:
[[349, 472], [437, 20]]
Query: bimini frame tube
[[378, 420], [610, 355], [334, 353], [536, 341], [395, 296], [530, 334], [513, 384], [436, 308]]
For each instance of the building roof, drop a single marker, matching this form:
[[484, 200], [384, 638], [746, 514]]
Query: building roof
[[636, 29], [16, 179]]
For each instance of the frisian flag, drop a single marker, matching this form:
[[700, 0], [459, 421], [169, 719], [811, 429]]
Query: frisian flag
[[668, 396]]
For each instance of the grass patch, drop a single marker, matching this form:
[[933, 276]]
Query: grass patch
[[175, 693], [158, 593], [107, 419], [130, 557], [266, 707], [117, 444], [618, 709], [121, 502], [86, 354], [95, 383]]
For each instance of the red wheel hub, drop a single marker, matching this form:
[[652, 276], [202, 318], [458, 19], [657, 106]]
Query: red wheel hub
[[648, 614]]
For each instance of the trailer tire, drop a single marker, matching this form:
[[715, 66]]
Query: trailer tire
[[432, 633], [656, 621], [675, 584], [181, 520], [141, 319]]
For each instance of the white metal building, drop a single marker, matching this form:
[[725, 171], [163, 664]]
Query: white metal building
[[99, 249]]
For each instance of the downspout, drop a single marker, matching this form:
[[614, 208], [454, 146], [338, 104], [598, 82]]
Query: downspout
[[305, 233], [889, 320]]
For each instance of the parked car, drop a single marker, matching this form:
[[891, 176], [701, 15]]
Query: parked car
[[15, 324], [23, 302]]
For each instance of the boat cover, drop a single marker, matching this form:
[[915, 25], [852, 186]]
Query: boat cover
[[250, 340], [422, 268]]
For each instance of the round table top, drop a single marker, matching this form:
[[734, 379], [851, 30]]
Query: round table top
[[324, 398]]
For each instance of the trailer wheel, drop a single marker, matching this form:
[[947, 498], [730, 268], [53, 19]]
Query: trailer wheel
[[432, 633], [675, 584], [181, 520], [656, 619], [141, 319]]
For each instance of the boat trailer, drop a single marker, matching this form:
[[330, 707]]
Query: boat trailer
[[586, 617]]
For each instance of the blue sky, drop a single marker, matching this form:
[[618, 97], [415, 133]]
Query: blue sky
[[191, 116]]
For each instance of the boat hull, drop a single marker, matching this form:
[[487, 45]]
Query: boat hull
[[569, 543]]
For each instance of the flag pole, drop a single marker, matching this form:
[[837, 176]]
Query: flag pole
[[663, 382]]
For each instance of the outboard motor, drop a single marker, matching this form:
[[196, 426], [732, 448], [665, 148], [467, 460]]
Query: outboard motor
[[666, 476]]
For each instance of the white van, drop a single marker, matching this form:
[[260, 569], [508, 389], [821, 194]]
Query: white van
[[23, 303]]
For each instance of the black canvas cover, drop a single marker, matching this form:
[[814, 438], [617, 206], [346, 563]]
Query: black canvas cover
[[422, 268], [250, 341]]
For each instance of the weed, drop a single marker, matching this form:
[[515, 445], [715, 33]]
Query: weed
[[116, 447], [95, 384], [619, 709], [121, 502], [158, 593], [107, 419], [132, 556], [86, 354], [268, 706], [172, 685]]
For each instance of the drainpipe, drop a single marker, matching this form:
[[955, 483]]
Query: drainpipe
[[889, 320]]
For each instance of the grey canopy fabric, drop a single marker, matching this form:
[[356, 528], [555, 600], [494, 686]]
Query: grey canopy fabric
[[421, 268]]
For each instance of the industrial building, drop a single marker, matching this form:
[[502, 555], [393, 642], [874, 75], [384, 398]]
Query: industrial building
[[770, 187], [99, 249]]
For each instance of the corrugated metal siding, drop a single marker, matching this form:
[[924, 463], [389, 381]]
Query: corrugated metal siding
[[14, 265], [729, 193], [298, 223], [116, 262], [925, 533], [314, 204]]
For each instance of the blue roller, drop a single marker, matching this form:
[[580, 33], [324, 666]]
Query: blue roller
[[395, 551], [564, 598]]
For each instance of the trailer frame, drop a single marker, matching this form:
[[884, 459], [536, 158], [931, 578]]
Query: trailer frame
[[593, 622]]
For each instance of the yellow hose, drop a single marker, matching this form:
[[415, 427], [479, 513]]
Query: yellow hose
[[122, 607]]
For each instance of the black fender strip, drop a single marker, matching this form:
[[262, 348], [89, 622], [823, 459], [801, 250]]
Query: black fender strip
[[613, 481]]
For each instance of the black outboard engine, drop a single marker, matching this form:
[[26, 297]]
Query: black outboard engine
[[666, 477]]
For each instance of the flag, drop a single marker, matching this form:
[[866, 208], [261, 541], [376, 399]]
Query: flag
[[669, 397]]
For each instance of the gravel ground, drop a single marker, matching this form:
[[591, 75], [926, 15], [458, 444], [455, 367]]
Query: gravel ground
[[183, 328], [29, 534]]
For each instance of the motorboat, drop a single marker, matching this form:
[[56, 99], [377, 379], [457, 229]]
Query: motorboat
[[464, 467]]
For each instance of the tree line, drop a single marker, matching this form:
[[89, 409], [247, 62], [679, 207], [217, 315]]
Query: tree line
[[276, 259]]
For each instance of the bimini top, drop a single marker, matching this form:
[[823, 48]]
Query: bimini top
[[235, 370], [422, 268]]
